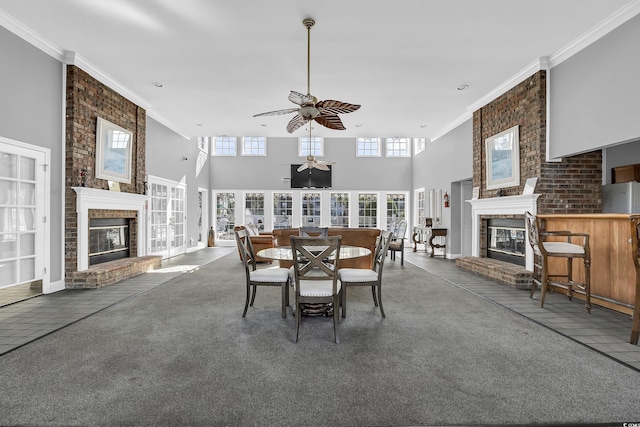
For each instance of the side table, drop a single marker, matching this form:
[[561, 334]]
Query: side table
[[437, 232]]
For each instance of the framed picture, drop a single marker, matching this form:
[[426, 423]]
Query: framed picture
[[503, 159], [113, 152]]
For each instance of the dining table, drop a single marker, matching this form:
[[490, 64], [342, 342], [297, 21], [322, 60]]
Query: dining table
[[285, 253]]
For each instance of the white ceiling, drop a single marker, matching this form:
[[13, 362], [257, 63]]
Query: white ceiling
[[222, 61]]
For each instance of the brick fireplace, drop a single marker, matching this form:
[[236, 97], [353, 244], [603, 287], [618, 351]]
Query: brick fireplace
[[568, 185]]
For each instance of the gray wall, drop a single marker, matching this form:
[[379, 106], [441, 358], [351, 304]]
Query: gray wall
[[349, 172], [165, 153], [31, 112], [446, 160], [595, 101]]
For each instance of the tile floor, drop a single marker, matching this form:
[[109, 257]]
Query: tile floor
[[604, 330]]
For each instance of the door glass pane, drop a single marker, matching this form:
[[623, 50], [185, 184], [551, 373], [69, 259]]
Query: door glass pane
[[27, 219], [8, 248], [9, 273], [8, 165], [8, 220], [27, 269], [27, 194], [27, 168], [225, 215], [27, 244], [8, 192]]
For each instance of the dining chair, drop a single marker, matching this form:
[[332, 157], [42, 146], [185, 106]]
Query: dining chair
[[397, 242], [562, 245], [367, 277], [272, 276], [315, 273], [635, 254], [314, 231]]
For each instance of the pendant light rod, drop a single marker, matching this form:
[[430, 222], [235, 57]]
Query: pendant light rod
[[308, 22]]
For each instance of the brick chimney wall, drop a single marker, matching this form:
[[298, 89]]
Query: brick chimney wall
[[87, 99], [573, 185]]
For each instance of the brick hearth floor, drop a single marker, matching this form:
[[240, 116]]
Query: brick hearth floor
[[605, 331]]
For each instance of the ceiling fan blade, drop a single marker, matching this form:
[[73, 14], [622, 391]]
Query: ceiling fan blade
[[300, 99], [336, 107], [277, 112], [330, 121], [303, 167], [295, 123], [325, 162], [321, 166]]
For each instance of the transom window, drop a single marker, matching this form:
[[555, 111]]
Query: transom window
[[254, 146], [368, 147], [225, 146], [419, 145], [339, 209], [367, 210], [397, 147], [313, 146], [203, 143]]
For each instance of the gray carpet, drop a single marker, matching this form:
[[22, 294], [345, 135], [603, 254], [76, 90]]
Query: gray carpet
[[181, 354]]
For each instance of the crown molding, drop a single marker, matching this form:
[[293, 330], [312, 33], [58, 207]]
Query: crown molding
[[618, 18]]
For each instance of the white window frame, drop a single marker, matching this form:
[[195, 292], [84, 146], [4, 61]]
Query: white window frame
[[231, 140], [254, 146], [361, 141], [315, 147], [394, 147], [419, 145]]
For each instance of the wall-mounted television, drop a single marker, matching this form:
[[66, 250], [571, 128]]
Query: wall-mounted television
[[310, 178]]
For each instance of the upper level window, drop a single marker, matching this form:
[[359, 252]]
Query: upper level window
[[254, 146], [419, 145], [313, 146], [397, 147], [203, 143], [225, 146], [368, 147]]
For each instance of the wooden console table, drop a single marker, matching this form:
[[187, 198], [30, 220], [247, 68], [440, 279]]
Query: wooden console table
[[437, 232], [425, 235]]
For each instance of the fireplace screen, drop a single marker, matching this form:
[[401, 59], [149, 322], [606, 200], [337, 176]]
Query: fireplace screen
[[506, 240], [108, 239]]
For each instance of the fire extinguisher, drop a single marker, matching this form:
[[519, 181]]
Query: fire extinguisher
[[446, 200]]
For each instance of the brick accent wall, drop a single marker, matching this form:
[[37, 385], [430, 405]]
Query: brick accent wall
[[87, 99], [573, 185]]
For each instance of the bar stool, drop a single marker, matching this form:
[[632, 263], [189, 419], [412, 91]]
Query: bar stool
[[635, 252], [544, 250]]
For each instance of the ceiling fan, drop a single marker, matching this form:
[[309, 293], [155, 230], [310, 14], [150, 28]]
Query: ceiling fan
[[324, 112]]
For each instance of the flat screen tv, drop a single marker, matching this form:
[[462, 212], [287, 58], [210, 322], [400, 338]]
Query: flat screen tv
[[310, 178]]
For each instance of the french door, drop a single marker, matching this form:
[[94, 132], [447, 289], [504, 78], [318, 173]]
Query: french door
[[23, 190], [167, 218]]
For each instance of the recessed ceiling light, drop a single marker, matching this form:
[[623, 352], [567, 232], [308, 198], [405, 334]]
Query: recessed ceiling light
[[463, 87], [158, 84], [423, 126], [264, 125], [358, 125], [199, 124]]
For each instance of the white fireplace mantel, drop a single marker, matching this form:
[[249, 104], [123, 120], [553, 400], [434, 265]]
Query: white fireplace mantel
[[508, 205], [93, 198]]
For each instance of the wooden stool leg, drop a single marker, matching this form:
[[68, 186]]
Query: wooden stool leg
[[587, 284]]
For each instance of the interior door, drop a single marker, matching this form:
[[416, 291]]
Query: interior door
[[167, 218], [22, 215]]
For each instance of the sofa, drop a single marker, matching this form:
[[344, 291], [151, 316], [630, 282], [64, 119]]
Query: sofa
[[259, 240], [363, 237]]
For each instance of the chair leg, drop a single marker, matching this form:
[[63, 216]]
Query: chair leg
[[284, 289], [587, 284], [336, 301], [543, 284], [298, 316], [570, 278], [380, 300], [246, 302], [375, 298], [344, 300], [253, 296], [402, 255]]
